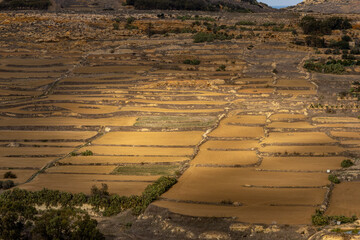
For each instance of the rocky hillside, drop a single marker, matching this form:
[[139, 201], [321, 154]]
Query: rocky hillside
[[329, 6], [197, 5]]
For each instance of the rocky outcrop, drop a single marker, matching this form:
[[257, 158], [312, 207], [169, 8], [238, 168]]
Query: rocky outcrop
[[328, 6]]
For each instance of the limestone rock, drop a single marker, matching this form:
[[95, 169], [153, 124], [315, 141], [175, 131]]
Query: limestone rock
[[332, 237], [238, 227], [213, 235]]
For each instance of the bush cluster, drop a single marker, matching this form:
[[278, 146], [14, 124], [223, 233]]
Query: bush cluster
[[334, 179], [311, 25], [99, 199], [314, 41], [6, 184], [346, 163], [335, 68], [19, 221], [210, 37], [319, 219], [9, 175], [192, 62], [25, 4], [87, 153]]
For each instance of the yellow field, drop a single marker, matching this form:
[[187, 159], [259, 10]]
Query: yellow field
[[139, 151], [237, 131], [245, 119], [298, 137], [151, 138], [301, 163], [82, 169], [285, 117], [6, 151], [22, 175], [24, 162], [76, 183], [336, 120], [293, 125], [120, 159], [48, 135], [226, 157], [345, 200], [345, 134], [223, 145], [263, 214], [248, 176], [317, 150]]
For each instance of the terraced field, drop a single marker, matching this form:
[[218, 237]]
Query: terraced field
[[243, 139]]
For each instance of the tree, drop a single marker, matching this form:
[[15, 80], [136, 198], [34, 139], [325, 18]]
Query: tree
[[10, 226]]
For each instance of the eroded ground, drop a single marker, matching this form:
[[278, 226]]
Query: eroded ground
[[83, 103]]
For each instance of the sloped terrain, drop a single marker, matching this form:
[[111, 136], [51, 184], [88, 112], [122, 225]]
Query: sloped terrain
[[124, 102]]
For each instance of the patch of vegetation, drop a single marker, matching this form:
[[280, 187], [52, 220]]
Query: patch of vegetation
[[319, 219], [334, 179], [129, 22], [221, 68], [116, 26], [246, 23], [192, 61], [66, 224], [210, 37], [339, 44], [315, 41], [25, 4], [6, 184], [226, 202], [313, 26], [9, 175], [101, 201], [269, 24], [87, 153], [347, 163], [20, 221], [147, 170], [335, 68]]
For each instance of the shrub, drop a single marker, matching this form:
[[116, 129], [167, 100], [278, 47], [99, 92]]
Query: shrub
[[340, 44], [87, 153], [334, 179], [346, 163], [7, 184], [130, 20], [192, 62], [204, 37], [314, 41], [116, 26], [9, 175], [318, 219], [221, 68], [346, 38], [100, 192]]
